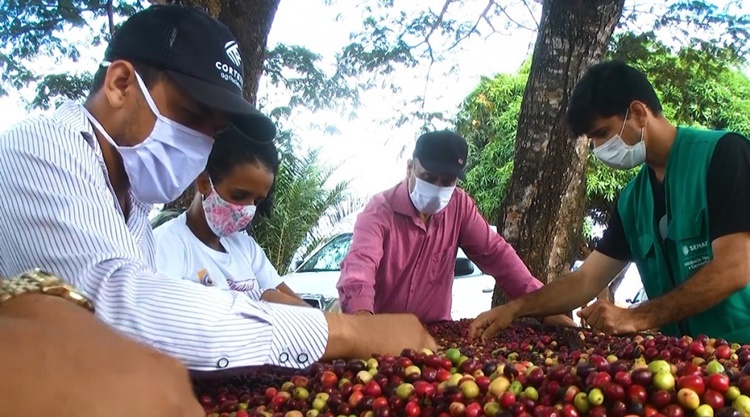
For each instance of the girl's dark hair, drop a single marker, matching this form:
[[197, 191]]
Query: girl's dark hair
[[233, 148]]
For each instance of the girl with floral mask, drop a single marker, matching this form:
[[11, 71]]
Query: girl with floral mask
[[208, 243]]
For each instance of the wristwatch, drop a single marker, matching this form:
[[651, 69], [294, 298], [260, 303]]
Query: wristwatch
[[38, 281]]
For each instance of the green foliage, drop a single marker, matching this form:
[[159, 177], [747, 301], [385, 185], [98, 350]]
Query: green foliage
[[397, 35], [304, 209], [720, 27], [297, 71], [52, 90], [30, 29], [491, 112], [699, 85], [306, 205], [33, 28]]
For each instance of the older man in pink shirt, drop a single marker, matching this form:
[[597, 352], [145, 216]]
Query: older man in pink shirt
[[405, 241]]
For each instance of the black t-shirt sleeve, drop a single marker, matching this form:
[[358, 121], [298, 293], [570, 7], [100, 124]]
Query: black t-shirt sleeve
[[728, 184], [614, 243]]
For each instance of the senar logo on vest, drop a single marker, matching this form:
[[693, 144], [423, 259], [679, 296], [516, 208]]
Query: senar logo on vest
[[686, 249]]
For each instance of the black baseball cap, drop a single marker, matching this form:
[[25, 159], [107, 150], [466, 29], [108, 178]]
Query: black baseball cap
[[443, 153], [199, 53]]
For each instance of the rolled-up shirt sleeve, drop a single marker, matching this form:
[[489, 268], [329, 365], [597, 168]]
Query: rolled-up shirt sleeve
[[61, 216], [494, 255], [359, 268]]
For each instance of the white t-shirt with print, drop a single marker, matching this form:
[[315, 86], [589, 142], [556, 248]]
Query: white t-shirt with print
[[243, 267]]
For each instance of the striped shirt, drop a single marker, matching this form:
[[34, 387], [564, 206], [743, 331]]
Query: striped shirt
[[60, 214]]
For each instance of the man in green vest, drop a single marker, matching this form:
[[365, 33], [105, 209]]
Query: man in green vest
[[684, 220]]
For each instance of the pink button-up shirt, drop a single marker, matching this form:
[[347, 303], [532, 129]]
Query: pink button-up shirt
[[398, 264]]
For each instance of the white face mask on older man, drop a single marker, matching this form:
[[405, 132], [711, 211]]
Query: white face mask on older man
[[428, 198]]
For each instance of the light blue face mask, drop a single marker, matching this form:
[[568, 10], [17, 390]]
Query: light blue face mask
[[162, 166], [617, 154]]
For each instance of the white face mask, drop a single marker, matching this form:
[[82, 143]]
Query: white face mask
[[429, 198], [161, 167], [617, 154]]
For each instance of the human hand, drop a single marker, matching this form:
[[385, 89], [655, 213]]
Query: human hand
[[559, 320], [359, 336], [397, 332], [491, 322], [584, 324], [605, 317], [57, 349], [362, 313], [278, 297]]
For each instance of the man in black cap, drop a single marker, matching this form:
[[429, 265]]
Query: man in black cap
[[80, 185], [405, 242]]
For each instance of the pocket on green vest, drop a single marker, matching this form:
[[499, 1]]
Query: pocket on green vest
[[644, 254], [692, 247], [687, 226], [643, 247]]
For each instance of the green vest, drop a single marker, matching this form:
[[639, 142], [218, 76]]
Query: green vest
[[664, 266]]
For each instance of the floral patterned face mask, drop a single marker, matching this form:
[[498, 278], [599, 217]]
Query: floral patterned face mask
[[225, 218]]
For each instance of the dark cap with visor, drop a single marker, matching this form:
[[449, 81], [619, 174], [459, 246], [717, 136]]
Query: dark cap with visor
[[199, 54], [443, 153]]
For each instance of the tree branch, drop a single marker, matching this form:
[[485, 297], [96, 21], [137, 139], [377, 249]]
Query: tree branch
[[531, 13], [482, 16], [110, 17], [439, 20], [38, 26], [46, 25], [505, 12]]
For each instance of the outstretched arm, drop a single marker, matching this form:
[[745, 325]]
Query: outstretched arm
[[360, 266], [559, 296], [496, 257]]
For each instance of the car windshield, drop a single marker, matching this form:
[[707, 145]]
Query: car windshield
[[329, 257]]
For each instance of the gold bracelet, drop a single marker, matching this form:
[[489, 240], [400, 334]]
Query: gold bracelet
[[40, 282]]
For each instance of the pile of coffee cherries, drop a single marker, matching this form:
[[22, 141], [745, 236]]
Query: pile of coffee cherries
[[525, 371]]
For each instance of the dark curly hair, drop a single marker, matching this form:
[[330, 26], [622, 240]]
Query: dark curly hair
[[233, 148]]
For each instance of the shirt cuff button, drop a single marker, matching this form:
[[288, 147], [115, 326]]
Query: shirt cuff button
[[284, 357], [302, 358], [222, 363]]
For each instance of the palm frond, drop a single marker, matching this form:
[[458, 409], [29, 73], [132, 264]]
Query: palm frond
[[306, 208]]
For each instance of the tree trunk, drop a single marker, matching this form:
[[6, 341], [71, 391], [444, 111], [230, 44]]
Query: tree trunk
[[542, 211], [250, 23]]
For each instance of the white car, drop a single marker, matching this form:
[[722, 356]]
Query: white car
[[316, 277]]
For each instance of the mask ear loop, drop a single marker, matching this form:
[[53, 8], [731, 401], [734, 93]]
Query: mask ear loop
[[627, 112], [640, 139], [144, 90], [210, 183]]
